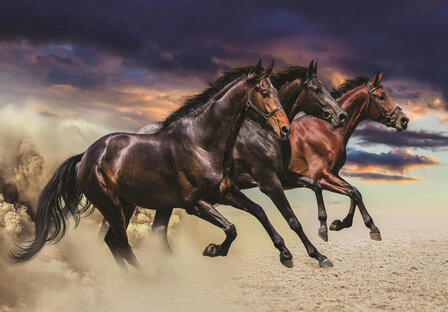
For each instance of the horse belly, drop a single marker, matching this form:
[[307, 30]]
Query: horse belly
[[153, 194], [151, 187]]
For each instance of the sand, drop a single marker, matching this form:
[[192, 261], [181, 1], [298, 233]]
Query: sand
[[407, 271]]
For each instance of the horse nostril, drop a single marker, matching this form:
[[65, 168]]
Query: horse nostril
[[326, 114], [285, 131], [342, 117], [404, 120]]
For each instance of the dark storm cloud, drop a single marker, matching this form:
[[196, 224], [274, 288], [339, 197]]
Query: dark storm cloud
[[398, 37], [397, 160], [379, 177], [371, 134], [162, 36], [405, 39]]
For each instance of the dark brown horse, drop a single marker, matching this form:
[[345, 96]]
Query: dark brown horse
[[322, 153], [258, 155], [186, 164]]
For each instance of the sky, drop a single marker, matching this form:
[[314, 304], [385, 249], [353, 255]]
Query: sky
[[71, 71]]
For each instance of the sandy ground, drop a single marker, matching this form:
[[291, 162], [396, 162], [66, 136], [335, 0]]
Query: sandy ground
[[407, 271]]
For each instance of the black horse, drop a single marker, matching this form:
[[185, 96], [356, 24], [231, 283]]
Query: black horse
[[259, 157], [187, 164]]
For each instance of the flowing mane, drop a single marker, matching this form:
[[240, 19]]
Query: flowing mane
[[348, 85], [193, 105], [287, 74]]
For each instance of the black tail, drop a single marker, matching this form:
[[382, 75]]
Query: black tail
[[60, 198]]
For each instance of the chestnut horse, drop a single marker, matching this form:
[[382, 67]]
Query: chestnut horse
[[258, 155], [186, 164], [321, 153]]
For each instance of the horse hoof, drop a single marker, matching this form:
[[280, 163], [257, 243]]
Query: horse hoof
[[323, 234], [210, 251], [336, 225], [325, 264], [288, 263], [375, 236]]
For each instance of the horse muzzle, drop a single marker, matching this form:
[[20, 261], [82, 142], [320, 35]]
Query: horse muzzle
[[284, 132]]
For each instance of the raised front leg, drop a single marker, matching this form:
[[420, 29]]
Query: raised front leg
[[237, 199], [336, 184], [207, 212], [338, 225], [273, 188], [293, 179]]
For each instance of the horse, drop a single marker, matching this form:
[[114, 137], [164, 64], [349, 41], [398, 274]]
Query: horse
[[185, 164], [322, 153], [258, 155]]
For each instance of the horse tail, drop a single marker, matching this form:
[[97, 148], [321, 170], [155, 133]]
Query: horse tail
[[60, 198]]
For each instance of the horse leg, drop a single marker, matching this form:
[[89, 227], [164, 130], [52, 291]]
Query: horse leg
[[106, 234], [103, 231], [368, 221], [237, 199], [207, 212], [113, 214], [160, 226], [116, 237], [298, 180], [336, 184], [338, 225], [273, 188]]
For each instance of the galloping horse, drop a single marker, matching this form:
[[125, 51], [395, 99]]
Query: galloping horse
[[186, 164], [322, 153], [258, 155]]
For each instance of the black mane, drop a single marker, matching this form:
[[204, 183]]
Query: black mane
[[348, 85], [287, 74], [193, 104]]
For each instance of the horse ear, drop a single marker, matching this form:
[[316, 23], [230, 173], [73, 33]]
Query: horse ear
[[258, 67], [380, 76], [310, 69], [315, 67], [255, 72], [376, 80], [270, 68]]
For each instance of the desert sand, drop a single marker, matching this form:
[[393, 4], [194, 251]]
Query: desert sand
[[407, 271]]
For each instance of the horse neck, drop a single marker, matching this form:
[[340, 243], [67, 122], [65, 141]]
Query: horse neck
[[226, 116], [354, 103], [288, 94]]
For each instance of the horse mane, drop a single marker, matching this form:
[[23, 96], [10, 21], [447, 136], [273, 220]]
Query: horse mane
[[348, 85], [287, 74], [193, 104]]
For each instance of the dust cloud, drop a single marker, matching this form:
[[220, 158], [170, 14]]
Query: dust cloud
[[78, 273]]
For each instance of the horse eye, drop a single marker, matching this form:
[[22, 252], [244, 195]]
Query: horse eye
[[265, 94], [381, 97]]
